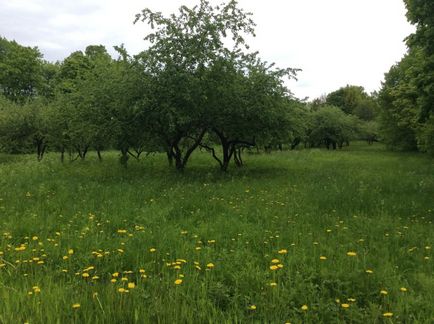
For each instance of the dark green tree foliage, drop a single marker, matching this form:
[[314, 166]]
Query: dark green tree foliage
[[353, 100], [20, 71], [331, 127], [183, 49], [407, 95]]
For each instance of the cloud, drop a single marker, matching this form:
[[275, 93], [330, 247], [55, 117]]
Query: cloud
[[335, 42]]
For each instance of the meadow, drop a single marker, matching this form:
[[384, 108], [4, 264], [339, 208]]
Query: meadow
[[307, 236]]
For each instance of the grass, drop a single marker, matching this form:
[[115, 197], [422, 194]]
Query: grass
[[219, 234]]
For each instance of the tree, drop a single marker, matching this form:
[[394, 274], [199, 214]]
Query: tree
[[20, 71], [183, 47]]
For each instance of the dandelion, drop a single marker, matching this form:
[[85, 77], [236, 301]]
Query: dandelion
[[274, 267], [252, 307], [34, 238], [65, 257], [273, 284], [383, 292], [210, 265], [122, 231], [70, 251], [351, 253], [351, 300], [275, 261], [283, 251], [142, 270], [85, 275], [122, 290], [76, 305], [304, 308], [178, 281], [113, 280], [131, 285], [115, 274], [388, 314], [369, 271], [323, 258], [403, 289], [345, 305]]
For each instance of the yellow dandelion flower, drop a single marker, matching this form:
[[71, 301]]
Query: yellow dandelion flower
[[275, 261], [280, 266], [403, 289], [85, 275], [283, 251], [252, 307], [369, 271], [273, 284], [304, 308], [383, 292], [274, 267], [65, 257], [345, 305], [122, 290], [178, 281], [122, 231], [351, 253], [115, 274], [351, 300], [323, 257], [131, 285], [152, 250], [35, 238], [113, 280], [142, 270], [76, 305], [70, 251], [388, 314], [210, 265]]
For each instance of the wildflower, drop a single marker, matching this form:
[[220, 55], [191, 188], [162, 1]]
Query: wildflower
[[283, 251], [252, 307], [65, 257], [351, 253], [403, 289], [122, 290], [76, 305], [34, 238], [178, 281], [70, 251], [322, 257], [131, 285], [142, 270], [113, 280], [388, 314], [274, 267], [383, 292], [304, 308], [369, 271], [275, 261], [152, 250], [280, 266], [210, 265], [85, 275], [122, 231], [351, 300], [273, 284], [115, 274], [345, 305]]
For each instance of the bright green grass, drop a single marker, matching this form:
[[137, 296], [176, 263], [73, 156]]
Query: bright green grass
[[312, 203]]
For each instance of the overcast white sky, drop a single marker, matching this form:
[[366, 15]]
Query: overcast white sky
[[335, 42]]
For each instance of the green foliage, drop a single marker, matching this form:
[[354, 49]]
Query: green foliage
[[331, 127], [20, 71], [407, 96], [353, 100]]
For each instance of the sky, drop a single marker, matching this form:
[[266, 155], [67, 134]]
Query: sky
[[334, 42]]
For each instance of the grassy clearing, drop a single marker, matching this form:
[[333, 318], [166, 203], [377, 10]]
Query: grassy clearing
[[85, 233]]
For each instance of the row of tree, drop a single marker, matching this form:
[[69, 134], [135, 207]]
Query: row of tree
[[196, 86]]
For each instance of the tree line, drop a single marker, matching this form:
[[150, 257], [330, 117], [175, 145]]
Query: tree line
[[196, 86]]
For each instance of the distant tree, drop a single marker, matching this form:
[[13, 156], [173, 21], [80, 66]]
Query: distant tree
[[331, 127], [20, 71], [353, 100]]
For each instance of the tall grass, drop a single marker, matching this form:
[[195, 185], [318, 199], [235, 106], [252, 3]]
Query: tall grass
[[220, 233]]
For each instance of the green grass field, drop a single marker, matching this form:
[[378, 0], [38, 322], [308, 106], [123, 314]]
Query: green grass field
[[310, 236]]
